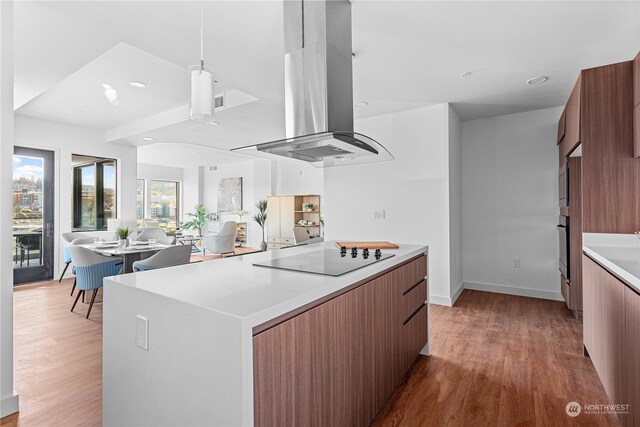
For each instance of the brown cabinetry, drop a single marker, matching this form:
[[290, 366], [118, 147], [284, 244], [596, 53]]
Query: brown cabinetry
[[574, 288], [561, 126], [338, 362], [610, 174], [636, 106], [631, 352], [612, 336], [636, 80]]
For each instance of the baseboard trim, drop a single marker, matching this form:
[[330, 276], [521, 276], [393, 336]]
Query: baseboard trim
[[457, 293], [512, 290], [438, 300], [9, 405], [425, 350]]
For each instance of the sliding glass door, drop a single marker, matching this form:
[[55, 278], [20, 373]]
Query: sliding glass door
[[33, 197]]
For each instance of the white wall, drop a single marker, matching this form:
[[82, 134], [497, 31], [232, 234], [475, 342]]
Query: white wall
[[65, 140], [510, 203], [413, 190], [455, 204], [299, 178], [256, 185], [192, 188], [8, 398]]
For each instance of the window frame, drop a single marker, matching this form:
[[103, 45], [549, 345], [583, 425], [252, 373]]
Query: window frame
[[144, 199], [178, 198], [101, 224]]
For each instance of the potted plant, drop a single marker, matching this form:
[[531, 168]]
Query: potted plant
[[261, 218], [308, 207], [200, 219], [241, 213], [122, 233]]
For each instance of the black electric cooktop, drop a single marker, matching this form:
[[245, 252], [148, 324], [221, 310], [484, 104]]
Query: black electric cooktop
[[326, 262]]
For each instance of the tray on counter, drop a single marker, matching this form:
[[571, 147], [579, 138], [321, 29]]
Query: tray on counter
[[367, 245]]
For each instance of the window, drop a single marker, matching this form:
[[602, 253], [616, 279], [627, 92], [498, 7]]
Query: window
[[165, 205], [139, 200], [94, 192]]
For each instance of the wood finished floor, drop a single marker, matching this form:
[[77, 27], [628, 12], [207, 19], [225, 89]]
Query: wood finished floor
[[496, 360], [499, 360]]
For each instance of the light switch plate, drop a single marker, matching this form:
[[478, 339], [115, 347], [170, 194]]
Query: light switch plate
[[378, 214], [142, 332]]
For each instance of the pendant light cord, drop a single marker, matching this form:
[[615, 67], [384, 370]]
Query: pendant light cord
[[202, 38]]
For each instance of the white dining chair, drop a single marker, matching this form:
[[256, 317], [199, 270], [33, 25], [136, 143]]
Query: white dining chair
[[169, 257], [224, 242]]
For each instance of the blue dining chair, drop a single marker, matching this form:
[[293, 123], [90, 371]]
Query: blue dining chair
[[70, 239], [90, 269]]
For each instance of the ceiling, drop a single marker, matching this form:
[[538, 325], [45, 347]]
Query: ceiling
[[407, 54]]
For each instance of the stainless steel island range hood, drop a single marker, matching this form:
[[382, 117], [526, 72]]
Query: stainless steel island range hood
[[319, 89]]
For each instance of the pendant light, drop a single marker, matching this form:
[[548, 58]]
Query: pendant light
[[202, 91]]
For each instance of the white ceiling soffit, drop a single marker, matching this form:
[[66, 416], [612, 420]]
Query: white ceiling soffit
[[412, 53], [407, 54], [79, 98], [186, 155]]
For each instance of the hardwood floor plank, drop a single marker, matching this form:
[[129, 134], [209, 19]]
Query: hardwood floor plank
[[497, 360]]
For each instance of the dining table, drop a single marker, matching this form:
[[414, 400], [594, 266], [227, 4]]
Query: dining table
[[129, 254]]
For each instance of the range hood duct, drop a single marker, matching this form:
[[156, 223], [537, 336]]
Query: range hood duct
[[319, 89]]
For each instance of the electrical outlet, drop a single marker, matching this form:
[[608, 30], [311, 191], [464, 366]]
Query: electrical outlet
[[142, 332], [378, 214], [516, 263]]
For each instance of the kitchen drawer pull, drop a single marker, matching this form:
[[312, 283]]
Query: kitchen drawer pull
[[413, 287], [417, 310]]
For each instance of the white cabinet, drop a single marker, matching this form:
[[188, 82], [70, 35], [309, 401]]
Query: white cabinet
[[284, 213]]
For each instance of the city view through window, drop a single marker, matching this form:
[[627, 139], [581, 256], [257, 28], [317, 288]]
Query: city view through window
[[27, 208], [94, 192], [165, 205]]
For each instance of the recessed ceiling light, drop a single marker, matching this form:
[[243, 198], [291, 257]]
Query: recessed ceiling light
[[139, 85], [361, 104], [111, 94], [537, 80], [148, 138], [77, 111], [213, 123], [465, 74]]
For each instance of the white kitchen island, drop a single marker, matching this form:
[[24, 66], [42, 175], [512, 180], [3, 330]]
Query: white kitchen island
[[204, 319]]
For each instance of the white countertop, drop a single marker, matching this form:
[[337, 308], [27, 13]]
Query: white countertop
[[619, 253], [233, 287]]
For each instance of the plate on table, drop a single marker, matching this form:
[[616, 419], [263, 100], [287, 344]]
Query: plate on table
[[141, 246], [107, 245]]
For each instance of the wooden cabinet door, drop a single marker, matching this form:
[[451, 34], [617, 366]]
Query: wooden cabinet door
[[287, 216], [315, 369], [636, 80], [273, 218], [561, 126], [631, 353], [564, 290], [603, 323], [636, 132], [572, 118]]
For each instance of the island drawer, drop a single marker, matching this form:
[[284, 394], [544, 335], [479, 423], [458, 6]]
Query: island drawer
[[414, 337], [413, 273], [413, 299]]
